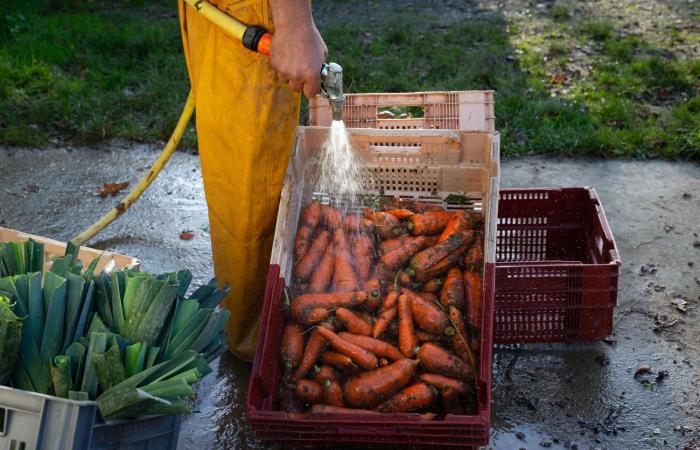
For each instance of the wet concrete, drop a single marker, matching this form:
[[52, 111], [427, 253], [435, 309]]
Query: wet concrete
[[543, 395]]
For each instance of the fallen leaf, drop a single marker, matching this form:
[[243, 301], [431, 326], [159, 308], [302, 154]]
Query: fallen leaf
[[558, 78], [186, 235], [111, 189]]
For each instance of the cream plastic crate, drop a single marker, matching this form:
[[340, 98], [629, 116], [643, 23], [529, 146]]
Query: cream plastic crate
[[450, 110], [422, 164], [108, 260]]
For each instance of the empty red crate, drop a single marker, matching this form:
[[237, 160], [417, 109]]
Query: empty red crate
[[557, 267]]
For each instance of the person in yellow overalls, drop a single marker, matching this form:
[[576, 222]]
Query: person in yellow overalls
[[247, 112]]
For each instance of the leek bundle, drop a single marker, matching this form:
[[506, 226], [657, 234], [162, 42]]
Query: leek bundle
[[10, 335], [17, 258]]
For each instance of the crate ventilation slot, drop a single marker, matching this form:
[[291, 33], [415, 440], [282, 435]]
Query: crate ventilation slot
[[524, 196], [17, 445], [404, 179]]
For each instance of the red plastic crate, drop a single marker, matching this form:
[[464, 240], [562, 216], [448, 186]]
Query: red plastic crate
[[557, 267], [271, 424]]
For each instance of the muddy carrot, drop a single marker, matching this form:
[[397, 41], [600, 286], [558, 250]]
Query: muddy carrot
[[339, 361], [308, 222], [357, 354], [344, 276], [473, 292], [413, 398], [458, 222], [306, 265], [363, 253], [322, 276], [383, 321], [459, 342], [404, 279], [423, 260], [332, 218], [428, 315], [371, 388], [292, 347], [400, 214], [353, 322], [432, 286], [323, 373], [393, 244], [438, 360], [407, 336], [308, 391], [383, 362], [432, 222], [390, 301], [357, 224], [397, 258], [332, 393], [441, 267], [443, 383], [327, 409], [314, 347], [424, 336], [383, 222], [452, 293], [429, 296], [377, 347], [304, 305], [474, 258]]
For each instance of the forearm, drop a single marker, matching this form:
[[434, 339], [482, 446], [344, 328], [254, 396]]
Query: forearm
[[290, 13]]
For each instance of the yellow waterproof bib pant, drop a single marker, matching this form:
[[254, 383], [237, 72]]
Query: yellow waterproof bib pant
[[246, 122]]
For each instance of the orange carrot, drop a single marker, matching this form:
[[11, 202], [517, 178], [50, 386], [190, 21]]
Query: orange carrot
[[460, 340], [314, 347], [432, 222], [428, 315], [452, 293], [383, 321], [383, 362], [322, 276], [353, 322], [429, 296], [407, 336], [308, 222], [432, 255], [400, 214], [443, 383], [363, 252], [339, 361], [432, 286], [396, 258], [377, 347], [306, 265], [442, 266], [303, 305], [384, 223], [438, 360], [332, 218], [357, 354], [357, 224], [327, 409], [458, 222], [371, 388], [324, 373], [292, 347], [473, 290], [308, 391], [332, 393], [390, 301], [399, 242], [413, 398], [474, 259], [344, 277], [424, 336]]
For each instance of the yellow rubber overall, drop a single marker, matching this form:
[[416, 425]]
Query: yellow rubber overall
[[246, 122]]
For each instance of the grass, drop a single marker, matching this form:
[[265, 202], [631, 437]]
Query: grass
[[118, 72]]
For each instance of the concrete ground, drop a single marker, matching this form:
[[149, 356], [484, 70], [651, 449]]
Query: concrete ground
[[556, 396]]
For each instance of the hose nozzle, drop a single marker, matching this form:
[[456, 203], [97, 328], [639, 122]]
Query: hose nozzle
[[332, 88]]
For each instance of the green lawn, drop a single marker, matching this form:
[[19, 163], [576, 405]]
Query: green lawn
[[567, 81]]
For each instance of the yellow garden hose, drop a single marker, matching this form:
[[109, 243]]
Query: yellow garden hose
[[134, 195]]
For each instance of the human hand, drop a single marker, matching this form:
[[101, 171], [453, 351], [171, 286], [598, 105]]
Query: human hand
[[297, 53]]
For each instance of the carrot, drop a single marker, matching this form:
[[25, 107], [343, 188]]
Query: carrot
[[303, 305], [407, 335], [474, 259], [432, 255], [424, 336], [344, 277], [292, 346], [314, 347], [322, 276], [432, 286], [407, 203], [432, 222], [373, 289], [339, 361], [327, 409], [384, 223], [377, 347], [383, 362], [390, 301], [333, 394], [353, 322], [428, 315], [438, 360], [362, 252], [429, 296], [458, 222], [332, 218], [308, 222], [371, 388], [306, 265], [324, 373], [308, 391], [452, 293], [442, 266], [443, 383], [383, 321], [473, 290], [413, 398], [396, 258], [400, 214], [357, 224], [357, 354], [460, 340], [396, 243]]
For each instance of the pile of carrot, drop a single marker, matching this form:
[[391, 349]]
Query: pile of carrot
[[386, 308]]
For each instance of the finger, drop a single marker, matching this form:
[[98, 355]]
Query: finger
[[312, 86], [297, 85]]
